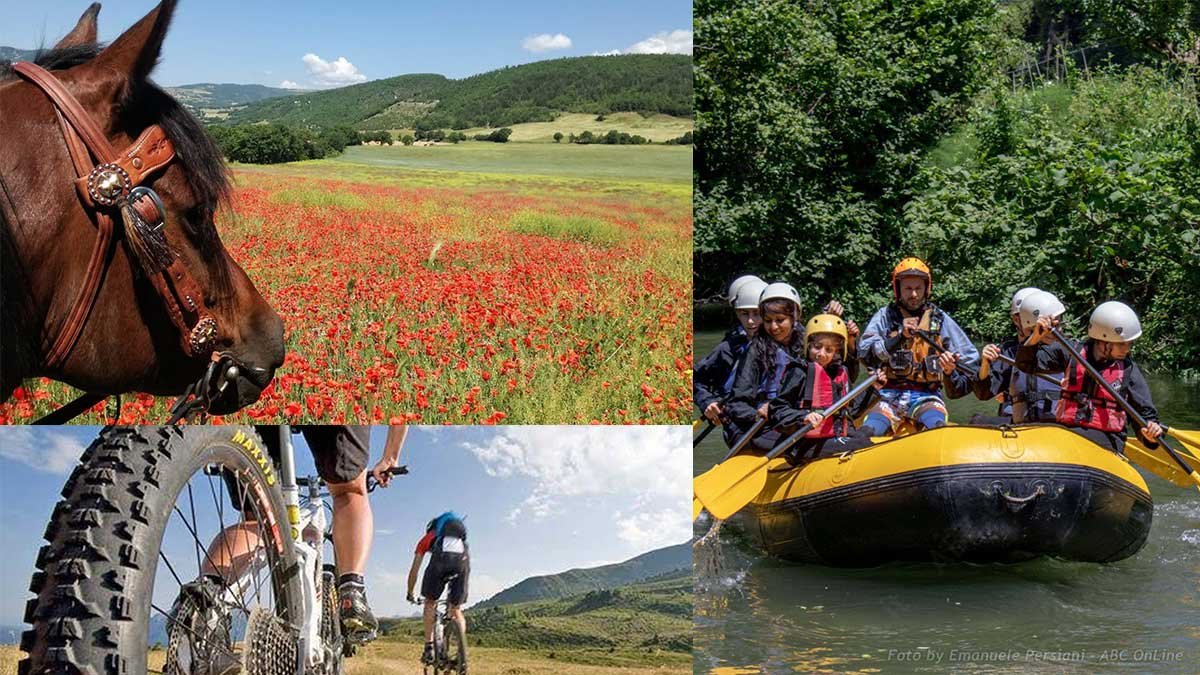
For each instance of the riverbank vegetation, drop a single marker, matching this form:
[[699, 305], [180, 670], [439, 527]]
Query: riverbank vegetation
[[1029, 142]]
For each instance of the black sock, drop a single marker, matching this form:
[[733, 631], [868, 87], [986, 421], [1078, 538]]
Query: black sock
[[351, 580]]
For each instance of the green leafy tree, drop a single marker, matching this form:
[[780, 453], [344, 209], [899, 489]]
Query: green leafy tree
[[811, 119], [1094, 202], [558, 137]]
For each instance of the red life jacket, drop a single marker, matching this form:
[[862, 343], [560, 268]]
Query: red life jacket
[[820, 391], [1086, 404]]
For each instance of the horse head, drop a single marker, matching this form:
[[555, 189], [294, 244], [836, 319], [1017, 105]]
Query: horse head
[[124, 335]]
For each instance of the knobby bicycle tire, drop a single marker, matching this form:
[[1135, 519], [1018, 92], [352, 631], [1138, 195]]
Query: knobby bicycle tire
[[95, 575]]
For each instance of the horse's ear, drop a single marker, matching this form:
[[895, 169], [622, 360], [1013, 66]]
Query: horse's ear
[[84, 32], [135, 53]]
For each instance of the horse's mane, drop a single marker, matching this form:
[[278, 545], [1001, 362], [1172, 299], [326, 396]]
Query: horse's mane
[[204, 167]]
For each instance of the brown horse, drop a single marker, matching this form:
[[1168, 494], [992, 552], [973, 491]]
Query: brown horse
[[128, 341]]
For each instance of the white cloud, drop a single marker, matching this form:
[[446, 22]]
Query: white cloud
[[647, 462], [337, 73], [47, 451], [288, 84], [649, 530], [665, 42], [545, 42]]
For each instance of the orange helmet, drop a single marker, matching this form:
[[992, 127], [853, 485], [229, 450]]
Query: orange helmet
[[911, 267]]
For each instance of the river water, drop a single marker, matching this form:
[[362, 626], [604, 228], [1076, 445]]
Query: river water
[[1139, 615]]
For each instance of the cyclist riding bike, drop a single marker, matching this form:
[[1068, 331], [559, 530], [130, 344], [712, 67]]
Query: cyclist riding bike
[[445, 541], [340, 454]]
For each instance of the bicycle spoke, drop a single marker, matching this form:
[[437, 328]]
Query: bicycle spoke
[[171, 623], [170, 567], [196, 538], [192, 507]]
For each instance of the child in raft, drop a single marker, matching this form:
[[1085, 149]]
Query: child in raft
[[812, 384], [1024, 398], [778, 342], [712, 378], [1085, 407]]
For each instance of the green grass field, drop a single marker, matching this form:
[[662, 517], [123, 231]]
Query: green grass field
[[656, 128], [626, 163]]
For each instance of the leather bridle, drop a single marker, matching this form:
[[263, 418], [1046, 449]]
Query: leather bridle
[[114, 183]]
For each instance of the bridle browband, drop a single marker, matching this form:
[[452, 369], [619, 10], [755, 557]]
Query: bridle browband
[[114, 183]]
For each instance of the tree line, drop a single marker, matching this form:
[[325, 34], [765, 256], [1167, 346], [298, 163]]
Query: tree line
[[836, 136]]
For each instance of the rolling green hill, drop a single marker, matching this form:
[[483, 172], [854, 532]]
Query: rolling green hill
[[534, 92], [572, 582], [653, 615]]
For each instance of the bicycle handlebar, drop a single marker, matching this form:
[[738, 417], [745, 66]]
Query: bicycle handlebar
[[395, 471], [371, 482]]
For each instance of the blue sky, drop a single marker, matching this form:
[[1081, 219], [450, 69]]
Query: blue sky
[[536, 500], [267, 42]]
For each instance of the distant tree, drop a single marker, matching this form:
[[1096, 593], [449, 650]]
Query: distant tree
[[558, 137], [407, 139], [267, 143], [685, 139], [600, 117], [500, 135]]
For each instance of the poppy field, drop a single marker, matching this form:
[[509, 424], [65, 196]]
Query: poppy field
[[457, 296]]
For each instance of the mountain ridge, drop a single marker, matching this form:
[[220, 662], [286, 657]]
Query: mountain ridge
[[649, 565]]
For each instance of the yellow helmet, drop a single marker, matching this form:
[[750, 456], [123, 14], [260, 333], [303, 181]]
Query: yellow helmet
[[911, 267], [827, 323]]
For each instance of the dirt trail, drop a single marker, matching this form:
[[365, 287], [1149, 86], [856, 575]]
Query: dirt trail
[[400, 658]]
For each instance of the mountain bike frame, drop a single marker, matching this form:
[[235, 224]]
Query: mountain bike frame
[[309, 530]]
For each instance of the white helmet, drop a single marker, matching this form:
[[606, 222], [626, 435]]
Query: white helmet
[[1114, 322], [1038, 304], [747, 294], [1015, 306], [781, 291], [738, 283]]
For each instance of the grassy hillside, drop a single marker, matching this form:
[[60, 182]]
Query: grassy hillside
[[573, 582], [534, 92], [637, 621], [346, 105]]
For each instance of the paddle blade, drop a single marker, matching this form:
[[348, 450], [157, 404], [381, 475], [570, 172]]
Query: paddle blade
[[729, 486], [1191, 439], [1158, 462]]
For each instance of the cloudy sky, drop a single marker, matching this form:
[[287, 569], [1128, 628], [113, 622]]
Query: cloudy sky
[[322, 44], [536, 500]]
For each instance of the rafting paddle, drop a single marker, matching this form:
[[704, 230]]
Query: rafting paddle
[[729, 486], [707, 430], [1139, 422], [697, 506]]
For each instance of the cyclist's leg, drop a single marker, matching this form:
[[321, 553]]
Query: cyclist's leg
[[341, 454], [432, 584], [458, 594], [235, 547]]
